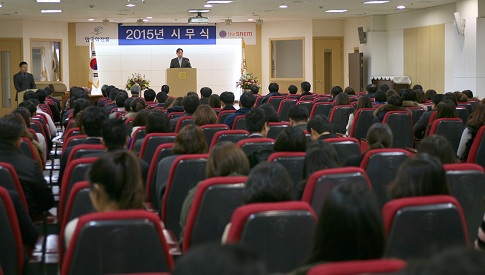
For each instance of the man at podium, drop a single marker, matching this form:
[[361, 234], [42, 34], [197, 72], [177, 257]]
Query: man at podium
[[180, 61], [23, 80]]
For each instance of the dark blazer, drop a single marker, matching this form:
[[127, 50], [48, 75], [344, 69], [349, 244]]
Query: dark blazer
[[185, 63], [23, 83]]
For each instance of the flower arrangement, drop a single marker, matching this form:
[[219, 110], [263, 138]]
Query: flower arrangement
[[247, 81], [137, 79]]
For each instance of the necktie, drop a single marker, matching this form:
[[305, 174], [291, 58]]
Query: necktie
[[180, 62]]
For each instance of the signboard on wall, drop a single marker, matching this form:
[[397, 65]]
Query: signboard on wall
[[166, 35], [104, 34], [238, 31]]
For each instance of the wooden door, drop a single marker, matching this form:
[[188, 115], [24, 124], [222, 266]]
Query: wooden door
[[10, 57], [328, 69]]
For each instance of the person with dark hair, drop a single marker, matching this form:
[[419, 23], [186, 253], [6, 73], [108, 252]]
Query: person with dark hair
[[137, 104], [439, 147], [335, 91], [227, 100], [452, 97], [211, 259], [390, 93], [161, 98], [190, 103], [271, 114], [384, 87], [350, 227], [92, 120], [149, 95], [135, 90], [292, 89], [422, 123], [380, 97], [420, 96], [37, 192], [204, 115], [33, 97], [409, 99], [306, 87], [254, 89], [394, 103], [174, 104], [273, 91], [23, 80], [379, 136], [165, 89], [421, 175], [468, 93], [41, 145], [342, 99], [417, 87], [371, 90], [363, 102], [446, 109], [319, 155], [120, 103], [430, 93], [205, 93], [475, 121], [320, 128], [156, 122], [291, 139], [298, 116], [257, 123], [140, 120], [53, 103], [215, 101], [349, 90], [180, 61], [226, 159], [116, 184], [190, 140], [246, 102]]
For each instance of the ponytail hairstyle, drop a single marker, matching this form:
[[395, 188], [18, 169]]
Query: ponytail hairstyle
[[119, 174], [379, 136]]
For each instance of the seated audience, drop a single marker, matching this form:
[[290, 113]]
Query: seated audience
[[190, 104], [273, 91], [422, 123], [363, 102], [379, 136], [227, 100], [271, 114], [292, 89], [438, 147], [319, 128], [305, 88], [157, 122], [246, 101], [149, 96], [204, 115], [394, 103], [205, 93], [475, 121], [291, 139], [342, 99], [257, 123], [215, 101], [298, 116]]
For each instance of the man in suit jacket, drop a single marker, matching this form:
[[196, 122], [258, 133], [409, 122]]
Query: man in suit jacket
[[180, 61], [23, 80]]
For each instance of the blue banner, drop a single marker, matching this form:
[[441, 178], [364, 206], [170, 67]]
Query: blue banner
[[166, 35]]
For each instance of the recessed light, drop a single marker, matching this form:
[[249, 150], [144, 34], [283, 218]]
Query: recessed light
[[91, 19], [376, 2], [207, 6], [131, 5], [195, 10], [48, 1], [1, 5], [283, 6], [401, 7], [250, 20], [50, 11], [145, 20], [149, 17], [219, 1], [335, 11]]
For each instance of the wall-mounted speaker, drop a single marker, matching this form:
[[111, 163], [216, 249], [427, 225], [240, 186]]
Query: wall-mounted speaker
[[459, 23], [362, 35]]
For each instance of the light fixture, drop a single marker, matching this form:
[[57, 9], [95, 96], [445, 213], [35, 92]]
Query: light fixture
[[197, 11], [207, 6], [259, 21], [250, 19], [228, 21], [283, 6], [139, 21], [376, 2], [219, 1], [145, 20], [335, 11], [91, 19], [131, 5], [149, 17], [50, 11], [48, 1], [400, 7], [1, 5]]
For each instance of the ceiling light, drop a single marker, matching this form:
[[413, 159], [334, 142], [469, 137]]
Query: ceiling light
[[401, 7], [48, 1], [376, 2], [145, 20], [219, 1], [149, 17], [131, 5], [196, 11], [91, 19], [335, 11], [50, 11], [207, 6], [283, 6], [250, 19], [1, 5]]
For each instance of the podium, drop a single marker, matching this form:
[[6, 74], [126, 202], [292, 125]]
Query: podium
[[181, 81]]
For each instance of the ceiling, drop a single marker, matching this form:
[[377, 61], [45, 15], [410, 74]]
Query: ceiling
[[176, 11]]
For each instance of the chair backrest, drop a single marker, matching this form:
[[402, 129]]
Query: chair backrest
[[477, 150], [71, 132], [275, 101], [462, 113], [467, 184], [293, 162], [73, 140], [339, 117], [151, 142], [175, 114], [117, 242], [162, 151], [450, 128], [320, 184], [185, 173], [346, 147], [80, 150], [307, 104], [381, 166], [417, 113], [35, 124], [362, 122], [229, 135], [377, 266], [28, 149], [321, 108], [223, 115], [10, 181], [468, 107], [417, 227], [275, 128], [283, 109], [282, 232], [308, 97], [214, 202], [139, 133], [401, 125], [11, 248], [210, 129], [251, 145], [239, 123], [182, 122]]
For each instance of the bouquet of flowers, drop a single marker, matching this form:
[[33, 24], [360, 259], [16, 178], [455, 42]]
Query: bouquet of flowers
[[137, 79], [247, 81]]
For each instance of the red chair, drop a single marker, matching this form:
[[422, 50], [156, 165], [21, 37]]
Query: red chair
[[346, 147], [10, 181], [308, 97], [183, 121], [321, 183], [449, 128], [117, 242], [139, 133], [29, 150], [223, 115], [419, 227], [377, 266], [284, 108], [401, 124], [239, 123], [175, 114], [71, 132], [362, 122], [80, 150], [214, 202], [275, 128], [308, 104], [152, 141], [209, 131], [339, 117], [229, 135], [292, 161], [321, 108], [275, 101], [163, 150], [282, 232], [477, 150], [73, 140]]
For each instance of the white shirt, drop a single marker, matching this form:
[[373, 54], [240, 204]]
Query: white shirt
[[50, 123]]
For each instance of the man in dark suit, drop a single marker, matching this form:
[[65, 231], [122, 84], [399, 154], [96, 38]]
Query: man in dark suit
[[23, 80], [180, 61]]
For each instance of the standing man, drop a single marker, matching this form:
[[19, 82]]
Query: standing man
[[23, 80], [180, 61]]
